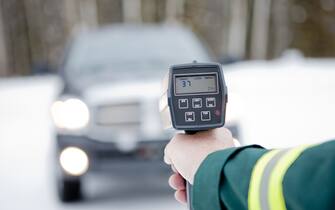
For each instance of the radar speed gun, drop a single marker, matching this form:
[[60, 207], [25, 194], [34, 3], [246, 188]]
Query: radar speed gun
[[193, 99]]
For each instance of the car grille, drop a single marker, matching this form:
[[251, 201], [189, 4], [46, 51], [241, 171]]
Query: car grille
[[144, 151], [119, 116]]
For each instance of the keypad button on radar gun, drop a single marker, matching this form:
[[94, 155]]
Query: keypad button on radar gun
[[194, 99]]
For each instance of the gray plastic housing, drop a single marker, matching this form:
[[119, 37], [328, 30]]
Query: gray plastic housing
[[194, 111]]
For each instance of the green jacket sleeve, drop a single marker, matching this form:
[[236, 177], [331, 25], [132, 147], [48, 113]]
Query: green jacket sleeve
[[222, 181], [310, 182]]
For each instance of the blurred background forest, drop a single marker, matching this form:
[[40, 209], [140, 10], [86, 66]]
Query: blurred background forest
[[34, 33]]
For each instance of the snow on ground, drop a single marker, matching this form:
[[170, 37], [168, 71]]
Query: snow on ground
[[26, 179], [284, 102]]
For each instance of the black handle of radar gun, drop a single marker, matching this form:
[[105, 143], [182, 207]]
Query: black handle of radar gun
[[189, 196], [188, 185]]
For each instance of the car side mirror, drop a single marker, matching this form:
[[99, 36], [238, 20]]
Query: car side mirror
[[42, 68], [226, 60]]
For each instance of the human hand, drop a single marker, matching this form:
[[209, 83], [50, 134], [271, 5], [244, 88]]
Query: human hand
[[185, 153]]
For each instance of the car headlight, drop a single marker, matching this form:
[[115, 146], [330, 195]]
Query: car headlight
[[74, 161], [70, 114]]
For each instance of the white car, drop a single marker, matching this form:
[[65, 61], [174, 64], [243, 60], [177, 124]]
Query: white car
[[107, 117]]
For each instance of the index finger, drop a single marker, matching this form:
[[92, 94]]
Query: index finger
[[167, 160]]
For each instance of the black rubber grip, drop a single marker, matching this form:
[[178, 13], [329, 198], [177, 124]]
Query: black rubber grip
[[189, 195]]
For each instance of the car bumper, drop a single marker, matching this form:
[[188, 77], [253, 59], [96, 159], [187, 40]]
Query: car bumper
[[147, 157]]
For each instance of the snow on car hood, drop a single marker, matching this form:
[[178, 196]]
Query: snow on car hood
[[122, 92]]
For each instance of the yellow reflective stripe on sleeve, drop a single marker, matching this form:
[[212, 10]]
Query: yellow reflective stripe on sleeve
[[276, 196], [255, 180]]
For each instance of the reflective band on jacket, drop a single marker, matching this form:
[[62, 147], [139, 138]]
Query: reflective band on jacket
[[265, 188]]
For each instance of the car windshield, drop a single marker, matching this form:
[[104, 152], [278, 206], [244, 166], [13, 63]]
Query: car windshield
[[133, 53]]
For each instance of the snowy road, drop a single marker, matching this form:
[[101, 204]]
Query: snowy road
[[26, 179]]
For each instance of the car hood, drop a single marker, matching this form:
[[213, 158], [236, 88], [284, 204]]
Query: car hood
[[120, 92]]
